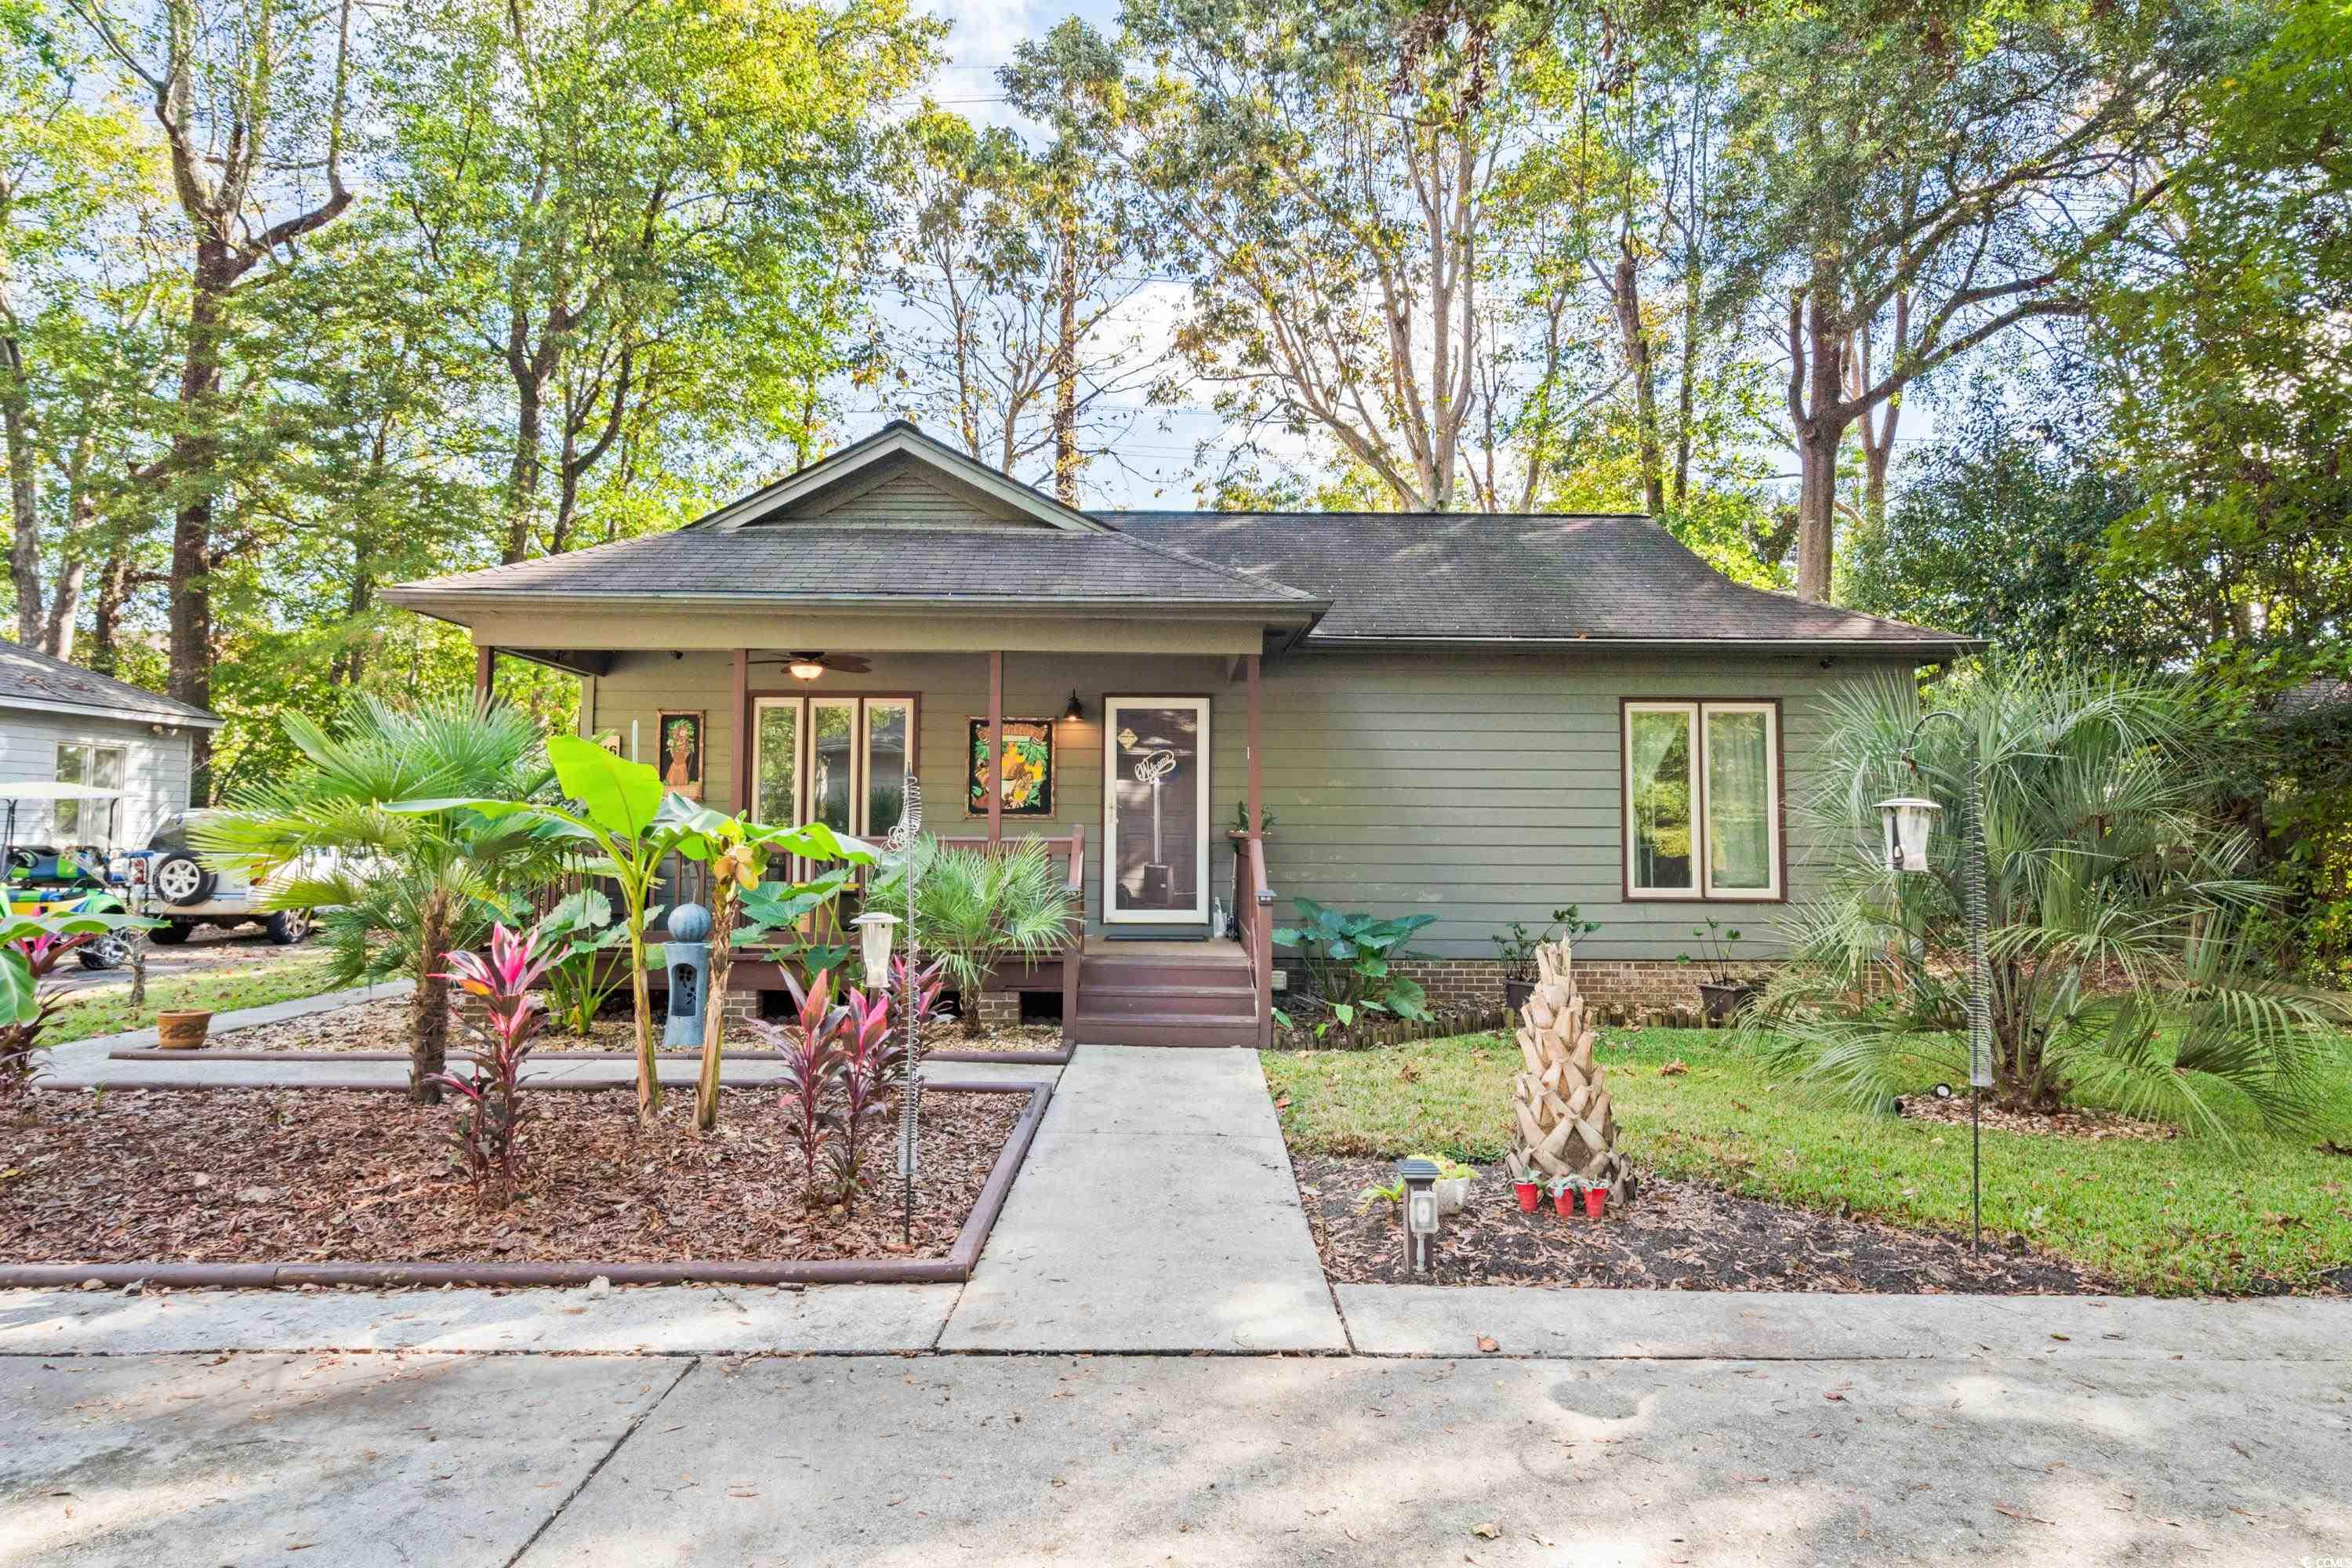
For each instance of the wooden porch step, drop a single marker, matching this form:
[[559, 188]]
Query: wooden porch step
[[1163, 1029], [1137, 972], [1237, 1002]]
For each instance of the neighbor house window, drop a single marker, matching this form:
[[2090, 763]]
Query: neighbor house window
[[87, 821], [1703, 800]]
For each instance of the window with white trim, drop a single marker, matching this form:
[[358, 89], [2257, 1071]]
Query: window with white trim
[[1701, 800], [841, 761], [100, 767]]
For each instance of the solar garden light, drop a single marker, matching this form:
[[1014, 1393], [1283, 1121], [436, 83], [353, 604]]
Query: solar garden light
[[1910, 822], [875, 929], [1419, 1178]]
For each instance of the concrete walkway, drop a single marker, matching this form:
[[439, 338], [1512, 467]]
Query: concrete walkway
[[1156, 1211], [89, 1064]]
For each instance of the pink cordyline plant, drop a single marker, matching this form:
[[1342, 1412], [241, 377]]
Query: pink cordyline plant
[[811, 1049], [870, 1062], [491, 1114]]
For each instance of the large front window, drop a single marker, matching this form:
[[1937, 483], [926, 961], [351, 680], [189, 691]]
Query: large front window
[[841, 761], [1701, 800]]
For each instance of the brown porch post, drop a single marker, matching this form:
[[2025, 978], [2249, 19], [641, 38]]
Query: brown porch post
[[990, 779], [485, 662], [743, 737], [1257, 820]]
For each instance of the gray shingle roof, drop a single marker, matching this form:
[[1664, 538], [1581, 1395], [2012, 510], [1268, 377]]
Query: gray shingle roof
[[34, 680], [1473, 577], [819, 563]]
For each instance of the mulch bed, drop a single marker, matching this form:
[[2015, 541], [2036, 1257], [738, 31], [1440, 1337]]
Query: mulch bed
[[293, 1175], [1678, 1236], [2094, 1125], [1007, 1037]]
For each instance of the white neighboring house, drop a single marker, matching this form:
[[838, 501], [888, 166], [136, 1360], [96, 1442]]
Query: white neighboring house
[[62, 724], [60, 721]]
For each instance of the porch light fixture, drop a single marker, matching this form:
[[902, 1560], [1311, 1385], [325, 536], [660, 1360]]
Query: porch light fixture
[[1419, 1179], [1075, 711], [805, 668], [875, 929], [1909, 822]]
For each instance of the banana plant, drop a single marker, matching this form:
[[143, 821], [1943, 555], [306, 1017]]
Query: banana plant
[[745, 906]]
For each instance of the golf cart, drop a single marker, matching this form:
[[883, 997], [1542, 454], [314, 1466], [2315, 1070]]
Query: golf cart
[[167, 882], [43, 879]]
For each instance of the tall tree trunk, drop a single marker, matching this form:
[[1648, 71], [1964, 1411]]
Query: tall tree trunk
[[1625, 295], [24, 494], [65, 608], [1687, 393], [428, 1033], [1065, 369], [1817, 350], [193, 454], [106, 614], [523, 472]]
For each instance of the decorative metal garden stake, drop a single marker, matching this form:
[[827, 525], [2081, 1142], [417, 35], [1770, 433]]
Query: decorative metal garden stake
[[901, 841], [1910, 821], [1419, 1179]]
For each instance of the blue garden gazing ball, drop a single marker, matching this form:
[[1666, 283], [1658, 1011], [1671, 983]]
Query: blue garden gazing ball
[[689, 922]]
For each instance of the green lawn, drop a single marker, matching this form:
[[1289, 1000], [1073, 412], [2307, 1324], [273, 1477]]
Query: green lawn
[[2185, 1216], [106, 1010]]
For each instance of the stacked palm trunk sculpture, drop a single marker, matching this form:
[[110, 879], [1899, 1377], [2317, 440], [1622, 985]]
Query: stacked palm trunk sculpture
[[1561, 1102]]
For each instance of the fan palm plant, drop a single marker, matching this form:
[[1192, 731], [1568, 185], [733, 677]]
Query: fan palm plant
[[973, 909], [395, 891], [2117, 903]]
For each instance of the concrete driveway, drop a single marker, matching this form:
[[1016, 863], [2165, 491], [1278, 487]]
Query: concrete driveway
[[728, 1427]]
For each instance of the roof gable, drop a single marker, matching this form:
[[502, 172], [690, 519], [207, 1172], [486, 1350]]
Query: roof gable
[[899, 478]]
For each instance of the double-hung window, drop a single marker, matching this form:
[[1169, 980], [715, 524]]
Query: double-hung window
[[1701, 800], [841, 761], [100, 767]]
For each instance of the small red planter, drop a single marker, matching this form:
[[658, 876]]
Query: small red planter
[[1595, 1200], [1564, 1201], [1530, 1196]]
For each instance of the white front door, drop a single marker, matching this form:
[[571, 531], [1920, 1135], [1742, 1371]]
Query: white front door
[[1156, 810]]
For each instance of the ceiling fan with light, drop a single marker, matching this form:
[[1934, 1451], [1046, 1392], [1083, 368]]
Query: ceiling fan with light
[[809, 666]]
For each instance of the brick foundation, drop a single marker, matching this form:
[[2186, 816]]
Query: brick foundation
[[1621, 991]]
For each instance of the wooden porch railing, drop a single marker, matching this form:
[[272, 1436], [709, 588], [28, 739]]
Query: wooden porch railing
[[1253, 920]]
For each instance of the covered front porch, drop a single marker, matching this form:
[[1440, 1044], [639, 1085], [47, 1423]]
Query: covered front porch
[[1139, 769]]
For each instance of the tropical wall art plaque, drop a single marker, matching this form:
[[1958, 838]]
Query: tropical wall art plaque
[[1025, 773]]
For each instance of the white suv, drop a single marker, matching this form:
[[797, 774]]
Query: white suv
[[167, 882]]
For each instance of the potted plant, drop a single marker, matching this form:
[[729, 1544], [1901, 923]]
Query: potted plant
[[1725, 998], [1516, 946], [1241, 821], [183, 1028], [1564, 1194], [1452, 1183], [1525, 1183], [1596, 1199]]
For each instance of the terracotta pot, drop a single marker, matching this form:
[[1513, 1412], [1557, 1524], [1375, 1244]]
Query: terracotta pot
[[183, 1028], [1563, 1203], [1596, 1199], [1530, 1196]]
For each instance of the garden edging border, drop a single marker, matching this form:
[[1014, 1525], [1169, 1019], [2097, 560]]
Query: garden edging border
[[954, 1268]]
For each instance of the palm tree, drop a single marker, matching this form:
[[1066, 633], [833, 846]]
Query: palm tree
[[973, 909], [2118, 909], [403, 889]]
